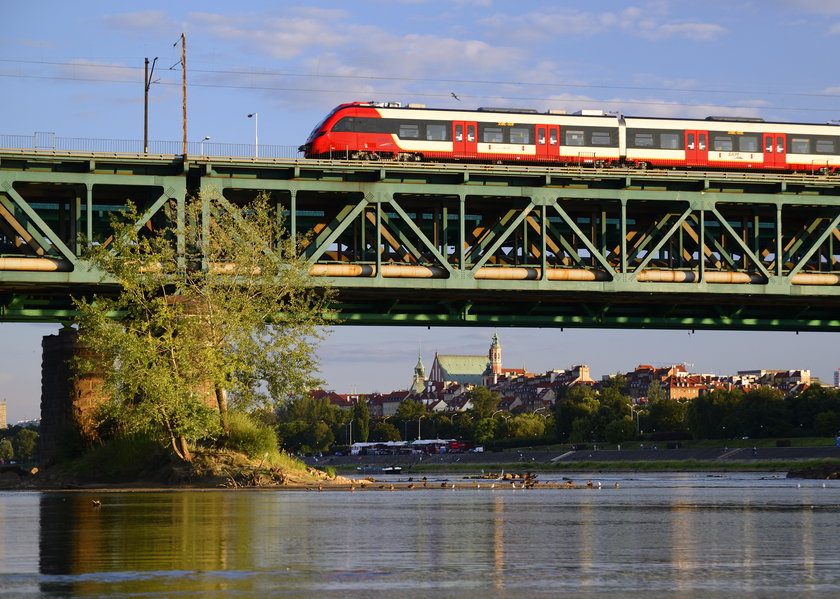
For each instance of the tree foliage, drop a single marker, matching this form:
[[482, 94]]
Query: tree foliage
[[26, 444], [484, 401], [217, 303], [7, 452]]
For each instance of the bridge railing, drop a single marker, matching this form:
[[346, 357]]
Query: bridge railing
[[45, 142]]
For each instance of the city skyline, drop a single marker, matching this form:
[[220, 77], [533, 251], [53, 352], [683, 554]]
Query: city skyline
[[79, 74]]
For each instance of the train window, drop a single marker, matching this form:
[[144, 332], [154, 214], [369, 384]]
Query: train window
[[470, 132], [722, 143], [601, 138], [800, 145], [768, 143], [691, 141], [748, 143], [520, 135], [436, 132], [552, 137], [825, 146], [701, 141], [780, 145], [574, 138], [409, 130], [541, 136], [459, 133], [492, 135], [669, 141], [344, 125], [643, 140]]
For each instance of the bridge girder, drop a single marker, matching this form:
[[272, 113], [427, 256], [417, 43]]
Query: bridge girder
[[463, 244]]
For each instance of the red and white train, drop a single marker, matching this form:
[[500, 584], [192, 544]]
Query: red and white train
[[373, 131]]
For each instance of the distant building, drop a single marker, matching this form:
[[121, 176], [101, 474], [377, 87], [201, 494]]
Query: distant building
[[3, 417], [837, 378], [418, 381]]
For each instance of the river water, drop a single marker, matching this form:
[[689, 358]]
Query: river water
[[657, 535]]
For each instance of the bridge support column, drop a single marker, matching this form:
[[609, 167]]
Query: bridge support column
[[67, 401]]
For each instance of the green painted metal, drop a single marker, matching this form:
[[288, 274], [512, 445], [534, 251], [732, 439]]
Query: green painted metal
[[452, 244]]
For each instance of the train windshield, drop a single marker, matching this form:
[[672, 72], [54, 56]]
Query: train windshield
[[319, 126]]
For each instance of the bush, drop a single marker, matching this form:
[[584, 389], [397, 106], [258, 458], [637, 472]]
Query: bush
[[124, 457], [250, 436]]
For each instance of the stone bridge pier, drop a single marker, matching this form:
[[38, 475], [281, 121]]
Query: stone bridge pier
[[68, 401]]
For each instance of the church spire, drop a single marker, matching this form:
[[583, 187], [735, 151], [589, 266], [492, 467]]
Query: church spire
[[495, 355], [418, 382]]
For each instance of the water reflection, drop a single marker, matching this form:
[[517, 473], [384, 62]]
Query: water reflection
[[658, 537]]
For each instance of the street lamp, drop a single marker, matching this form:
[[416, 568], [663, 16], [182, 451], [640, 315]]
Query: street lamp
[[201, 151], [256, 118]]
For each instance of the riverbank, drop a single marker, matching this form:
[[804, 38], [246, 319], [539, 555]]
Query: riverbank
[[707, 459], [335, 472]]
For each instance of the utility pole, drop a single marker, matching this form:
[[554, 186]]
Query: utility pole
[[147, 83], [184, 86]]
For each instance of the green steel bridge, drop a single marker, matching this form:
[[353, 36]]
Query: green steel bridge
[[454, 244]]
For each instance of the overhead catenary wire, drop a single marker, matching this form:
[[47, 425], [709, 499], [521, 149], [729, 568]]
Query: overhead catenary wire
[[265, 73], [367, 93], [425, 94]]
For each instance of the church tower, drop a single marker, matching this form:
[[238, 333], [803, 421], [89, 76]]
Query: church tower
[[418, 382], [495, 355]]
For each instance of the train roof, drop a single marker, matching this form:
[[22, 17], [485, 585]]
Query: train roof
[[582, 112]]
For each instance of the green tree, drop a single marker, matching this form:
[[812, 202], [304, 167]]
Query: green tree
[[218, 303], [410, 409], [484, 401], [581, 402], [7, 452], [361, 420], [655, 392], [484, 430], [26, 443], [666, 415], [525, 425], [385, 431], [709, 416], [826, 423], [619, 431], [762, 412]]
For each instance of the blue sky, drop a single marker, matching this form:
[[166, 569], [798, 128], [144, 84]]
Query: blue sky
[[76, 70]]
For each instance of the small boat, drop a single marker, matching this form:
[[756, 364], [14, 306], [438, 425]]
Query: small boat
[[379, 469]]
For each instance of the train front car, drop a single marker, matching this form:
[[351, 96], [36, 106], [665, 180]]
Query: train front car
[[335, 137], [373, 131]]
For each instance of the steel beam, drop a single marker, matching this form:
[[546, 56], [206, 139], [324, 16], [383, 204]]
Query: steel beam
[[465, 244]]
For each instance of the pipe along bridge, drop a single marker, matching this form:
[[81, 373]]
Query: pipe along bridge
[[452, 244]]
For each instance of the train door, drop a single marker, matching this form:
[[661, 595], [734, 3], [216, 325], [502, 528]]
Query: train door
[[548, 142], [464, 139], [775, 155], [696, 148]]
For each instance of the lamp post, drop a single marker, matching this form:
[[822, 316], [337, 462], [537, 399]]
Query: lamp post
[[201, 150], [635, 415], [256, 118], [418, 427], [350, 441]]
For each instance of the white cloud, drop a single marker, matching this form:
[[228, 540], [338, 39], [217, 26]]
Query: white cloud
[[649, 22], [692, 31], [835, 29], [146, 20], [820, 7]]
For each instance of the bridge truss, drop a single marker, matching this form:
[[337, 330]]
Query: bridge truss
[[459, 244]]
